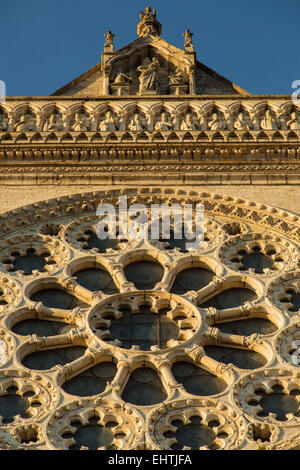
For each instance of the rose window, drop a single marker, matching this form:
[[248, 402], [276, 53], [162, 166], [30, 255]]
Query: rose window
[[132, 344]]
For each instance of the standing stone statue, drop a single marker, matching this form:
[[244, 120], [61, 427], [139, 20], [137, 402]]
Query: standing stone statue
[[109, 42], [149, 82]]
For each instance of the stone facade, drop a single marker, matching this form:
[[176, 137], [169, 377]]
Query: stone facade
[[150, 344]]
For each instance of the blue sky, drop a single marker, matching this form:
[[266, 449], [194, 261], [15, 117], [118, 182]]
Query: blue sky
[[47, 43]]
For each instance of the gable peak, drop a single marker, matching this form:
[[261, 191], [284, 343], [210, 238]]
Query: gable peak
[[148, 24]]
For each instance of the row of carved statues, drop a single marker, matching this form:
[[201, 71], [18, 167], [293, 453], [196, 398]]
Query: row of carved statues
[[136, 122]]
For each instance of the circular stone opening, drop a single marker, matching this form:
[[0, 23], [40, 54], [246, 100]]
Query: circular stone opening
[[256, 260], [144, 274], [93, 436], [93, 241], [12, 404], [280, 404], [30, 262], [144, 328], [193, 435]]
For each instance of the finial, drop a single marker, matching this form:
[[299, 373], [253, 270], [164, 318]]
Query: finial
[[188, 41], [109, 43], [148, 11], [149, 23]]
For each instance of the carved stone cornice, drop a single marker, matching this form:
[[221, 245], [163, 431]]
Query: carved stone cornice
[[240, 164]]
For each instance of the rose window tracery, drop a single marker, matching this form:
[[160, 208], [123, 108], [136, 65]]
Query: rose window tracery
[[149, 343]]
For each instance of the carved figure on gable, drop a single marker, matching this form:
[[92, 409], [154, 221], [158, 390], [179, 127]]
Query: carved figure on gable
[[242, 122], [148, 79], [122, 78], [108, 124], [187, 124], [177, 78], [188, 41], [177, 83], [109, 43], [268, 122], [3, 123], [26, 123], [135, 124], [148, 13], [164, 124], [294, 122], [81, 123], [148, 24], [121, 84], [54, 123], [217, 122]]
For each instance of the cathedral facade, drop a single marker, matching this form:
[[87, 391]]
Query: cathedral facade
[[127, 343]]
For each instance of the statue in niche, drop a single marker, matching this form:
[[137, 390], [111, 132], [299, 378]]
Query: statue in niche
[[229, 120], [54, 123], [187, 124], [164, 124], [294, 122], [148, 80], [242, 122], [135, 124], [202, 120], [282, 120], [81, 123], [3, 123], [255, 121], [26, 123], [217, 122], [108, 124], [268, 122]]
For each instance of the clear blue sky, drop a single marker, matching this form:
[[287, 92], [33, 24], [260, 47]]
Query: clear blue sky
[[47, 43]]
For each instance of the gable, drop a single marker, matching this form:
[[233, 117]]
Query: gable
[[119, 72]]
